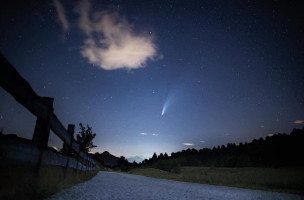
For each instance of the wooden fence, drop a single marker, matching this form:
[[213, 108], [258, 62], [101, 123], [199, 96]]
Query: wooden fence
[[36, 152]]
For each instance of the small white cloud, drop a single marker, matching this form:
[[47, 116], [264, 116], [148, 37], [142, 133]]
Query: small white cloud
[[111, 42], [298, 121], [188, 144], [144, 134], [61, 15], [202, 141], [262, 126], [270, 135], [154, 134]]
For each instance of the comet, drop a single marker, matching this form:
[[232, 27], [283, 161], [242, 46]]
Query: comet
[[168, 101], [163, 111], [164, 108]]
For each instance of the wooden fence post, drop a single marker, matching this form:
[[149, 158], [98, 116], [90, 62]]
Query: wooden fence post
[[42, 128], [86, 165], [81, 162], [77, 161], [42, 133], [71, 128]]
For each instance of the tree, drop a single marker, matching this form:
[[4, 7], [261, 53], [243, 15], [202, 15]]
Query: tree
[[85, 138], [166, 156], [161, 156], [154, 157], [123, 163]]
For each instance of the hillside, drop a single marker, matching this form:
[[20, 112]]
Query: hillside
[[106, 159]]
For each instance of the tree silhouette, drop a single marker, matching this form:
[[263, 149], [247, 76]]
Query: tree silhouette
[[166, 156], [161, 156], [154, 157], [278, 150], [123, 163], [85, 138]]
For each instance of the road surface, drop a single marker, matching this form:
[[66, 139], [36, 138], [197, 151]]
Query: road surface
[[111, 185]]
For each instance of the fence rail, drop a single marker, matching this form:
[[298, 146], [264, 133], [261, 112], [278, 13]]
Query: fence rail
[[42, 107]]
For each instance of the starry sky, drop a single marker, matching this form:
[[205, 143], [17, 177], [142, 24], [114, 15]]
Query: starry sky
[[158, 76]]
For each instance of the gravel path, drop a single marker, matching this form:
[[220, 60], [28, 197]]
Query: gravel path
[[111, 185]]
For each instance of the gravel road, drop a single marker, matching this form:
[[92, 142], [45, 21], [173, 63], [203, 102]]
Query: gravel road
[[111, 185]]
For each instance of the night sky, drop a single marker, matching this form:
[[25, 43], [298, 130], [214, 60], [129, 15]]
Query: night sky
[[158, 76]]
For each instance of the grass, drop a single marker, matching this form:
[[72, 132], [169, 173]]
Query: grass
[[284, 180], [23, 183]]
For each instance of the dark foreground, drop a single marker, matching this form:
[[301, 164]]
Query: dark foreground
[[110, 185]]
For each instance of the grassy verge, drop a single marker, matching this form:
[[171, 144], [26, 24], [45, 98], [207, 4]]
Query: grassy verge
[[285, 180], [22, 183]]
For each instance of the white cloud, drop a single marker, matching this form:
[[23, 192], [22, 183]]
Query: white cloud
[[111, 42], [144, 134], [202, 141], [270, 135], [61, 15], [298, 121], [188, 144], [154, 134]]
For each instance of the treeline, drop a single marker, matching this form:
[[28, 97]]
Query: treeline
[[279, 150]]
